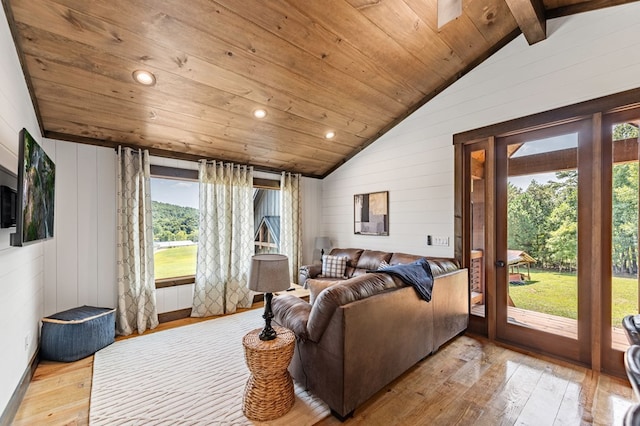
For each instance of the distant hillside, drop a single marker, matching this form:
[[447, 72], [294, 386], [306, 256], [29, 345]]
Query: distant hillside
[[174, 223]]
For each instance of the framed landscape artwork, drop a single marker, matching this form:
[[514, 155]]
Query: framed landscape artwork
[[371, 213]]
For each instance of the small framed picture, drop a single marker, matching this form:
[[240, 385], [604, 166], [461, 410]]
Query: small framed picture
[[371, 213]]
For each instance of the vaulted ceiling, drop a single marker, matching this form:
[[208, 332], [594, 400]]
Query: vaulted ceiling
[[352, 67]]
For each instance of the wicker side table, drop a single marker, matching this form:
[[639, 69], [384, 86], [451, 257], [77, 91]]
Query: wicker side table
[[268, 393]]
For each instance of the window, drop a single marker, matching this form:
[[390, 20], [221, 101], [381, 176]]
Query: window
[[266, 220], [174, 204]]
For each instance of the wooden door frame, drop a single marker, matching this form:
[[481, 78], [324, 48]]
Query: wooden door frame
[[610, 359], [600, 302], [480, 325], [577, 350]]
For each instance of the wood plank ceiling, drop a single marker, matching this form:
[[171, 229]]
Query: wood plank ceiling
[[354, 67]]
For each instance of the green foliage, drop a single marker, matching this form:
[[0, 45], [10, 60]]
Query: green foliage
[[542, 219], [174, 223], [625, 131]]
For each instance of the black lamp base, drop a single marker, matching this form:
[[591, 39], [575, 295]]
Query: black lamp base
[[268, 333]]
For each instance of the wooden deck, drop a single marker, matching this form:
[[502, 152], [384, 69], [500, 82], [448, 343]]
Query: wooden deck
[[561, 326]]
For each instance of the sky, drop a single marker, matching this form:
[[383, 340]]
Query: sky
[[179, 192]]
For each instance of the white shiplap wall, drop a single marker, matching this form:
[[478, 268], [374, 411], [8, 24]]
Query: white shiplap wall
[[584, 57], [80, 261], [21, 269]]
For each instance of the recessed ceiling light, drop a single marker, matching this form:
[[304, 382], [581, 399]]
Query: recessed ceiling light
[[144, 77], [329, 135], [260, 113]]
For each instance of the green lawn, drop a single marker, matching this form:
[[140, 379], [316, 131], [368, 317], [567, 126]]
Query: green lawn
[[555, 293], [175, 262]]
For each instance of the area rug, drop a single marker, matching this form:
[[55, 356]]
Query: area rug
[[191, 375]]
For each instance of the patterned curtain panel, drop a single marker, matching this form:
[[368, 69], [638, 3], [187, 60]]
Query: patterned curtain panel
[[291, 222], [136, 283], [225, 242]]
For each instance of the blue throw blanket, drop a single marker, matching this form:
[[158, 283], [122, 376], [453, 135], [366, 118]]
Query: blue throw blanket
[[417, 274]]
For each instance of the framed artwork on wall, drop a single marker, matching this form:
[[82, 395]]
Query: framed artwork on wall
[[371, 213]]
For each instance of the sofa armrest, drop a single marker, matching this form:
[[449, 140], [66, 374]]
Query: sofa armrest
[[308, 271], [292, 312]]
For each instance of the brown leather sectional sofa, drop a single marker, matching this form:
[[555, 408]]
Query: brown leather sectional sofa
[[369, 328]]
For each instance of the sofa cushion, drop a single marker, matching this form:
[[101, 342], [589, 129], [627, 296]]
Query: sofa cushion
[[443, 266], [439, 266], [403, 258], [316, 286], [333, 266], [371, 259], [351, 254]]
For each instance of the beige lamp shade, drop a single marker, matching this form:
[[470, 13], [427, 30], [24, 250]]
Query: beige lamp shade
[[323, 243], [269, 273]]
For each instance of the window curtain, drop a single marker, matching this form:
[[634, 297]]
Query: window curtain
[[291, 222], [136, 283], [225, 242]]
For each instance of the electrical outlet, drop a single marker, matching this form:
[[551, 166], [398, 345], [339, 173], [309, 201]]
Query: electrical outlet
[[27, 340], [440, 241]]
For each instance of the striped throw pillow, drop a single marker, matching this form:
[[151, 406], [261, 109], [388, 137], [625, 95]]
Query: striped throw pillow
[[333, 266]]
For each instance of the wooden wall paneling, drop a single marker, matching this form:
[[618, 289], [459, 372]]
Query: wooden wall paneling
[[300, 30], [106, 225], [492, 18], [166, 131], [268, 51], [87, 225], [376, 44], [200, 95], [143, 22], [456, 34], [66, 221], [200, 117], [410, 31]]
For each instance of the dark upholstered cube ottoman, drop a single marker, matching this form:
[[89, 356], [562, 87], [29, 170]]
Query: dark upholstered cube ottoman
[[77, 333]]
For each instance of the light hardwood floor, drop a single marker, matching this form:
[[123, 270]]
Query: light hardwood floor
[[470, 381]]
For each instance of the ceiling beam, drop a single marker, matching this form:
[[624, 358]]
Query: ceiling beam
[[529, 15]]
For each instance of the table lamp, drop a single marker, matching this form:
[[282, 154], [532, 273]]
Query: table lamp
[[269, 273], [322, 243]]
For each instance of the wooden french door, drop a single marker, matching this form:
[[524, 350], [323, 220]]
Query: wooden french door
[[543, 208], [620, 228], [547, 211]]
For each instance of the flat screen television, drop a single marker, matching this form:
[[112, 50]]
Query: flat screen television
[[7, 207], [35, 193]]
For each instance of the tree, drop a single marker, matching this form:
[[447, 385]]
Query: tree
[[174, 223]]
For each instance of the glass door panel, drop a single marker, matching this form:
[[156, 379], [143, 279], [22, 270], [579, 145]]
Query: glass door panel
[[542, 238], [477, 221], [624, 228], [542, 278]]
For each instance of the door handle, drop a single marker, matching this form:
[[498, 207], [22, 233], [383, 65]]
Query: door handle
[[500, 263]]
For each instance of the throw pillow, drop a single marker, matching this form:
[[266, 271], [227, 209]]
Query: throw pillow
[[333, 266], [383, 265], [317, 286]]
